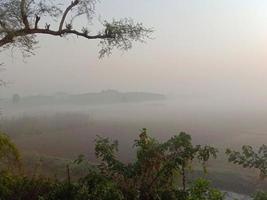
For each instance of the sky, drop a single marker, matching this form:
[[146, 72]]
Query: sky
[[199, 47]]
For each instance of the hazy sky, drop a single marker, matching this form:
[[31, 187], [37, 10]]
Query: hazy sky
[[201, 47]]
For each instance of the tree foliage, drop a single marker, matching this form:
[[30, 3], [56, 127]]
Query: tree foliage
[[250, 158], [201, 190], [260, 196], [9, 155], [22, 20], [152, 175], [153, 171]]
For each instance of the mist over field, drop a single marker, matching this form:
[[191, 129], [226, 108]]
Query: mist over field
[[68, 130], [213, 120]]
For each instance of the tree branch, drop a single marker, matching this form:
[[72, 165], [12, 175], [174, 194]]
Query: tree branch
[[37, 19], [6, 40], [18, 25], [24, 32], [24, 16], [73, 4]]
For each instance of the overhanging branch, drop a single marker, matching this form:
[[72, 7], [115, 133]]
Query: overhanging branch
[[24, 32], [20, 32], [6, 40]]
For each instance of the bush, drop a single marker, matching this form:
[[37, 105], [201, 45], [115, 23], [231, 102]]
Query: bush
[[151, 176], [260, 196], [18, 187], [201, 190]]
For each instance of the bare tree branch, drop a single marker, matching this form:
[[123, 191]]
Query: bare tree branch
[[6, 40], [73, 4], [23, 32], [23, 13], [37, 19]]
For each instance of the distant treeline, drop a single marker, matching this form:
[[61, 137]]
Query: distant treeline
[[103, 97]]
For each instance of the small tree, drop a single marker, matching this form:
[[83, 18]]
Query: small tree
[[152, 174], [22, 20]]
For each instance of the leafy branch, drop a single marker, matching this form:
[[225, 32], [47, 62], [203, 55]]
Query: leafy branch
[[20, 22]]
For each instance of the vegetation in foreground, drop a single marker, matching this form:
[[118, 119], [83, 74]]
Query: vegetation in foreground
[[160, 171]]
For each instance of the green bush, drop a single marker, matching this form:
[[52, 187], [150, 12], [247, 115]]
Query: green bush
[[18, 187], [260, 196], [201, 190]]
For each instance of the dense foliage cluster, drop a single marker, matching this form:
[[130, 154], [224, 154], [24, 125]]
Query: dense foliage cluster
[[154, 172], [159, 172]]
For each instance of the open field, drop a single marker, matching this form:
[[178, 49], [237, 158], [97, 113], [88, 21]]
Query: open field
[[58, 135]]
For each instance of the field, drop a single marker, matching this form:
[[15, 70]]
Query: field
[[50, 138]]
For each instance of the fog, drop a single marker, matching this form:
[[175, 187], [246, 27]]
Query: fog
[[209, 122], [207, 57], [204, 48]]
